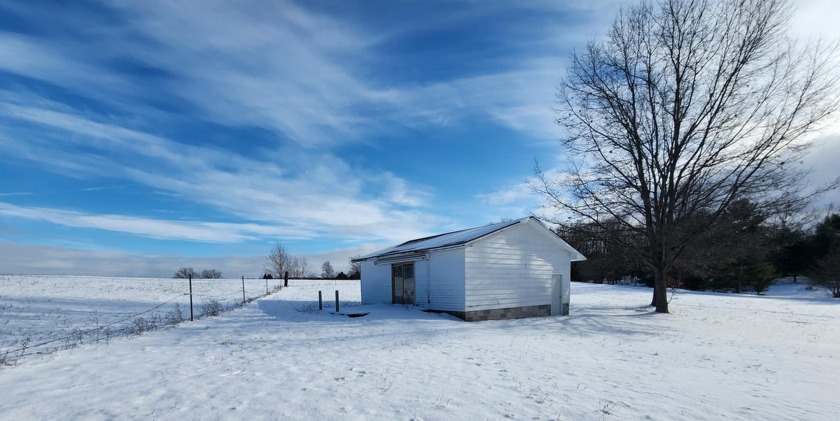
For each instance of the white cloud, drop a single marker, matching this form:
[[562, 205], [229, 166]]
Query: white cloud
[[277, 66], [47, 260], [214, 232], [512, 195], [520, 199], [822, 161], [314, 191], [340, 258], [296, 72], [813, 19], [304, 74], [29, 259], [521, 99], [69, 66]]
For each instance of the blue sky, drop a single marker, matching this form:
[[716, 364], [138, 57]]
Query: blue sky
[[139, 137]]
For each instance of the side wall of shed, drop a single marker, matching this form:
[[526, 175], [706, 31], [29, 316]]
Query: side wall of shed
[[439, 281], [512, 269], [376, 283], [445, 290]]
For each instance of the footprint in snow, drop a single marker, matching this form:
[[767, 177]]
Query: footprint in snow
[[231, 373]]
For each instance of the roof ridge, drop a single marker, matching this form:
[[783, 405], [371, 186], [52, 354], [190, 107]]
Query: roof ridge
[[457, 238], [416, 240]]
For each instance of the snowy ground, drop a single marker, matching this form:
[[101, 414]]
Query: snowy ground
[[716, 357], [42, 314]]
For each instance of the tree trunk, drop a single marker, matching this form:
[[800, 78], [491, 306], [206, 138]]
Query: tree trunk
[[660, 291]]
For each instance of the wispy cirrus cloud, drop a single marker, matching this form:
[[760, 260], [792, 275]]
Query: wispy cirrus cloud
[[309, 78], [277, 66], [213, 232], [249, 122], [305, 75], [320, 194]]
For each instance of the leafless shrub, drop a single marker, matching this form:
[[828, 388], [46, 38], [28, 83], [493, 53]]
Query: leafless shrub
[[175, 316], [211, 308]]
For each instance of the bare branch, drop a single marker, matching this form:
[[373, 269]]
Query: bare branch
[[686, 107]]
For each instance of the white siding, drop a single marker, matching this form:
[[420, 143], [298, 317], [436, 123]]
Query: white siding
[[446, 286], [444, 292], [376, 283], [513, 268]]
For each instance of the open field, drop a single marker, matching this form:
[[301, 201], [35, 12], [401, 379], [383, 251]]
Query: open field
[[716, 357], [42, 314]]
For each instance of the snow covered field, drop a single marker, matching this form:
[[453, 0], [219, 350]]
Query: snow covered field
[[42, 314], [716, 357]]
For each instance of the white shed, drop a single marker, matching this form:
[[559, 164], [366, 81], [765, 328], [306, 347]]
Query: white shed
[[500, 271]]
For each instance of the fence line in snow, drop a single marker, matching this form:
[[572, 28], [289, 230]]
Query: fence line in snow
[[140, 325]]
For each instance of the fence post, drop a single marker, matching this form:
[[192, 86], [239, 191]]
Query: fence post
[[336, 301], [266, 286], [243, 290], [320, 302], [286, 279], [191, 306]]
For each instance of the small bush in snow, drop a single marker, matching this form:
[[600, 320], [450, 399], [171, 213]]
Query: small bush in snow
[[140, 325], [211, 308], [175, 316], [75, 338]]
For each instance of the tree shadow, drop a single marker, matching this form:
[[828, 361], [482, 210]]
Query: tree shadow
[[597, 321]]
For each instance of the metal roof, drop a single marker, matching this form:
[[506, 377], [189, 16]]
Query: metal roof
[[455, 238]]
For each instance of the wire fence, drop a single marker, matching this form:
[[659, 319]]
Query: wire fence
[[44, 333]]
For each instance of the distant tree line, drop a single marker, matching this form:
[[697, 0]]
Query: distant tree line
[[188, 272], [279, 261], [328, 272], [743, 251]]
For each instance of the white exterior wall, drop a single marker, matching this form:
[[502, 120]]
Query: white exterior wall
[[513, 268], [446, 290], [376, 283]]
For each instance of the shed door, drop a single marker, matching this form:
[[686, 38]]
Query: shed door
[[559, 295], [402, 283]]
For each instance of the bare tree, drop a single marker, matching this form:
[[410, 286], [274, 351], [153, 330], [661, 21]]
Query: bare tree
[[302, 267], [184, 273], [293, 267], [211, 274], [298, 267], [278, 260], [686, 106], [327, 271], [355, 269]]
